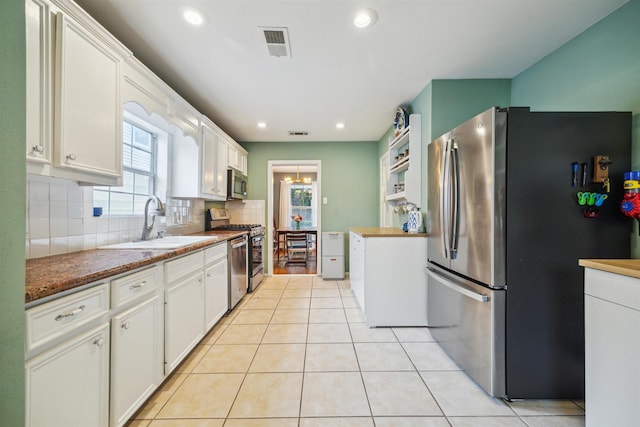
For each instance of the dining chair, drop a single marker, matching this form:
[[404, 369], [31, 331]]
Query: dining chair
[[297, 243]]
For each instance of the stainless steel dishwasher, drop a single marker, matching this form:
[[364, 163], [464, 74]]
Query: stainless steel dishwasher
[[238, 267]]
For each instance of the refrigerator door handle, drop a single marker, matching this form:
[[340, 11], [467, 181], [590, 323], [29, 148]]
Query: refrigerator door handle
[[455, 227], [445, 201], [457, 288]]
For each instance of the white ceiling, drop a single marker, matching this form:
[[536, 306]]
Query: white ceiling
[[337, 72]]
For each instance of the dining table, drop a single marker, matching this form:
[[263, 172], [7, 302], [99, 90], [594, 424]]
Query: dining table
[[282, 232]]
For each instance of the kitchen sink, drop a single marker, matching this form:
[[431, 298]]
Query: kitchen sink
[[170, 242]]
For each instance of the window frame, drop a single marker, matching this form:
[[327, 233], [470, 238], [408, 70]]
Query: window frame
[[151, 174]]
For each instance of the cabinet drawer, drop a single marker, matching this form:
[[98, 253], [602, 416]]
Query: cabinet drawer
[[56, 318], [181, 267], [214, 253], [130, 287]]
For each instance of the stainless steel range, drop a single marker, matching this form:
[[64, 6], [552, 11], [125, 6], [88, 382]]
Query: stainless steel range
[[218, 219]]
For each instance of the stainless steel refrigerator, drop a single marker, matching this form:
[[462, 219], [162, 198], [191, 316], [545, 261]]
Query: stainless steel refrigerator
[[505, 292]]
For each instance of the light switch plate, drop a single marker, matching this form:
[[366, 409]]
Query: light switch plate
[[324, 200]]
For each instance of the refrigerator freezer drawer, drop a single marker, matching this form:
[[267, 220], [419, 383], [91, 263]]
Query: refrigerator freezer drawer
[[467, 320], [333, 267]]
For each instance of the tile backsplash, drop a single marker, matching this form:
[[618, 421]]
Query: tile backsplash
[[60, 219], [246, 211]]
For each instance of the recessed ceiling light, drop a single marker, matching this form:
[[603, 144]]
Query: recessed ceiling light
[[340, 125], [365, 18], [193, 16], [262, 125]]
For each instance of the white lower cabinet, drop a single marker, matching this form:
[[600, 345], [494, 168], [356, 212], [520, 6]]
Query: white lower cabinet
[[184, 308], [216, 284], [136, 358], [68, 385], [612, 348]]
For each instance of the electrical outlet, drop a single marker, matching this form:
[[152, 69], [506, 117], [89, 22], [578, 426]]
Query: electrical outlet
[[324, 201]]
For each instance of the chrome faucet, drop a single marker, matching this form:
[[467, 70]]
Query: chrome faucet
[[146, 228]]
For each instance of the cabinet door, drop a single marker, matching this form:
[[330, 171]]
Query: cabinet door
[[38, 64], [136, 358], [212, 168], [357, 266], [221, 169], [233, 157], [184, 319], [88, 119], [216, 292], [69, 384]]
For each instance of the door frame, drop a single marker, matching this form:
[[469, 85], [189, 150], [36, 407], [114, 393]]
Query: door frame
[[270, 164]]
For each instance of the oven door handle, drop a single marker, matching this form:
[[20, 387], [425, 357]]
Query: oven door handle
[[238, 243]]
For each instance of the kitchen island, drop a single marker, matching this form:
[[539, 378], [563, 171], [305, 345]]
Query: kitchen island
[[612, 342], [387, 275]]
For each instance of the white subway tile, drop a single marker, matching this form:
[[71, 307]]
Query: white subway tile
[[75, 243], [59, 228], [38, 190], [39, 228], [38, 248], [59, 245], [57, 192], [74, 193], [75, 210], [90, 241], [75, 227], [39, 209], [58, 210]]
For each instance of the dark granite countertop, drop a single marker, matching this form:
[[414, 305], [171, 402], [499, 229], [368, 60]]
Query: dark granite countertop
[[54, 274]]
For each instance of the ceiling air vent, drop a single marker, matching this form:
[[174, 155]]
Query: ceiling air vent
[[277, 39], [298, 133]]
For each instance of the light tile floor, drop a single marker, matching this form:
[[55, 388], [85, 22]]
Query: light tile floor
[[296, 353]]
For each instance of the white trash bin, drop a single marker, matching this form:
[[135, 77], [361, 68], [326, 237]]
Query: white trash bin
[[333, 255]]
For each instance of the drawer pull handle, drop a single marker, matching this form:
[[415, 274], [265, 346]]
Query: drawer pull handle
[[137, 286], [71, 313]]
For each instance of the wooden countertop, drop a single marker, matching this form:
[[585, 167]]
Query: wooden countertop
[[626, 267], [50, 275], [384, 232]]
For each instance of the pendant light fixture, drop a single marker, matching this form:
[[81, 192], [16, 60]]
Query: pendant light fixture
[[297, 179]]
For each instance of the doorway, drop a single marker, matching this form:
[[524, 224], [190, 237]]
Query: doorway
[[276, 260]]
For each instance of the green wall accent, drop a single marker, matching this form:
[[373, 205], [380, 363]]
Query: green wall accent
[[12, 210], [444, 104], [350, 178], [599, 70]]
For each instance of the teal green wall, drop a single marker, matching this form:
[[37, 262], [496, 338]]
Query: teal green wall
[[444, 104], [598, 70], [455, 101], [349, 178], [12, 211]]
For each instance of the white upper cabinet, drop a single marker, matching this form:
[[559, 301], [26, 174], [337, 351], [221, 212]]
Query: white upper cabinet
[[74, 111], [38, 64], [237, 157], [88, 124], [214, 162]]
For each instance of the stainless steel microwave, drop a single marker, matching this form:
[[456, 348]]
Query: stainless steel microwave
[[236, 185]]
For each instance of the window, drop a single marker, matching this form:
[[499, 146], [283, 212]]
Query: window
[[138, 174], [301, 204]]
